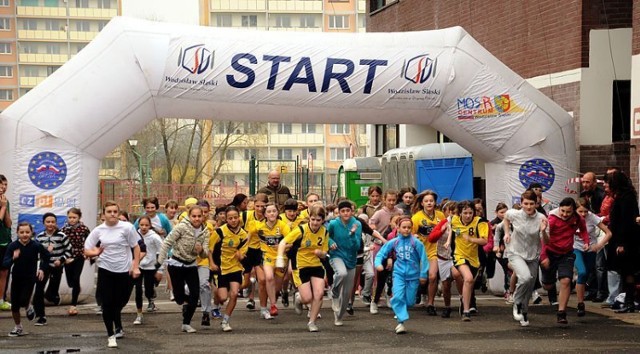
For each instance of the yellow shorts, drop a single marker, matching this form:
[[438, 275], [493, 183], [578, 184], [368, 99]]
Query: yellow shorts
[[270, 260], [296, 278]]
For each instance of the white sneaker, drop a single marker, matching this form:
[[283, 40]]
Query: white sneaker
[[111, 342], [309, 314], [337, 321], [312, 327], [171, 297], [373, 308], [266, 315], [510, 299], [524, 322], [424, 300], [517, 313], [400, 329], [335, 304], [225, 326], [188, 329], [297, 305], [138, 320]]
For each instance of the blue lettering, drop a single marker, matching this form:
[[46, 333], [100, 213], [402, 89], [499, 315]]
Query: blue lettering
[[304, 63], [251, 75], [340, 77], [276, 60], [371, 72]]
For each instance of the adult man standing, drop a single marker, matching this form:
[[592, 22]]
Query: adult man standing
[[594, 195], [276, 192]]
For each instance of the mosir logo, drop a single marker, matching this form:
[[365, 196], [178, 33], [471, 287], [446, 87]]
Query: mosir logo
[[196, 59], [419, 69]]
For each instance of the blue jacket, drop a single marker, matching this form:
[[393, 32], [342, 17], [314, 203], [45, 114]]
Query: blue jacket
[[411, 259], [348, 243]]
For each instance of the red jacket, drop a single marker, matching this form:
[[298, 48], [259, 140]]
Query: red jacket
[[561, 233]]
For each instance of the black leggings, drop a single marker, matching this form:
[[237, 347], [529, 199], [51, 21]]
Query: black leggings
[[53, 277], [179, 277], [114, 291], [73, 272], [146, 277], [382, 279]]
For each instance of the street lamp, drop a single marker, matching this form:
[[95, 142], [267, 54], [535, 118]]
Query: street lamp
[[143, 167]]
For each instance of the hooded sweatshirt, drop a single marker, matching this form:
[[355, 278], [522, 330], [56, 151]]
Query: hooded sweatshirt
[[561, 233]]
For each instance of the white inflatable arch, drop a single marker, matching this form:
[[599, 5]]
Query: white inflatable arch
[[134, 71]]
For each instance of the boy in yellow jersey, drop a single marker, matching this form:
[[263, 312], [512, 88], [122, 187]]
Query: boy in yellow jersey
[[310, 243], [291, 217], [231, 246], [204, 270], [253, 259], [270, 232], [311, 199], [469, 233], [425, 218]]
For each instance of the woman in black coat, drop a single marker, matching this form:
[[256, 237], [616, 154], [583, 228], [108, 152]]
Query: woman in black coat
[[624, 246]]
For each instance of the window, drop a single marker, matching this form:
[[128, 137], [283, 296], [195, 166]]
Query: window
[[80, 46], [28, 2], [362, 21], [6, 71], [339, 154], [248, 153], [5, 23], [6, 95], [53, 49], [283, 21], [308, 128], [250, 21], [4, 3], [104, 4], [309, 152], [378, 4], [307, 21], [52, 25], [83, 26], [30, 71], [52, 69], [386, 138], [29, 24], [284, 154], [340, 129], [5, 48], [28, 48], [108, 163], [101, 25], [82, 3], [229, 155], [338, 21], [52, 3], [224, 20], [621, 111], [284, 128]]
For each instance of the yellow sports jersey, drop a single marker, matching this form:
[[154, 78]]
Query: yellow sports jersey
[[292, 224], [226, 246], [270, 237], [249, 223], [305, 244], [422, 226], [467, 251], [304, 215], [205, 261]]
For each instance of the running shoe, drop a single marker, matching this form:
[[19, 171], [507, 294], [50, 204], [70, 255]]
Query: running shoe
[[312, 327], [119, 333], [42, 321], [350, 309], [517, 312], [225, 326], [251, 305], [366, 299], [285, 298], [188, 329], [31, 314], [466, 316], [215, 313], [581, 309], [373, 308], [400, 329], [537, 299], [524, 322], [297, 304], [335, 304], [562, 317], [17, 332], [265, 314], [446, 312], [152, 307], [138, 320], [111, 342], [431, 310], [273, 311], [336, 321], [206, 320], [309, 315], [5, 306]]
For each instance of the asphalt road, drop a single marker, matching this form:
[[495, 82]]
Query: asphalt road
[[492, 330]]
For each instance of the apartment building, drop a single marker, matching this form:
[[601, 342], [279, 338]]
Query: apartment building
[[319, 147]]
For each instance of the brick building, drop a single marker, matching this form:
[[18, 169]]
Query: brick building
[[578, 53]]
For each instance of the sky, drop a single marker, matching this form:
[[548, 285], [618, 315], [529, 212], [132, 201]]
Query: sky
[[178, 11]]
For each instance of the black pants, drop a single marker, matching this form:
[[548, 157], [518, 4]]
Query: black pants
[[53, 277], [73, 272], [382, 280], [114, 291], [21, 290], [147, 278], [179, 277]]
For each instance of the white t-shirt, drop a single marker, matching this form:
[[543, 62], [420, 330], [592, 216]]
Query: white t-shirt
[[117, 240], [592, 221]]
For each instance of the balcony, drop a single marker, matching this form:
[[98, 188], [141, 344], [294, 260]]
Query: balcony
[[296, 29], [242, 166], [295, 6], [43, 58], [241, 140], [42, 35], [102, 14], [296, 139], [36, 11], [82, 36], [238, 5], [31, 81], [362, 6]]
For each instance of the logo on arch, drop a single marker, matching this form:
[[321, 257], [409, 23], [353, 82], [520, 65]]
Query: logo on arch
[[420, 69], [196, 59]]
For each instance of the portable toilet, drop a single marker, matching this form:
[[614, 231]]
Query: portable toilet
[[356, 175], [446, 168]]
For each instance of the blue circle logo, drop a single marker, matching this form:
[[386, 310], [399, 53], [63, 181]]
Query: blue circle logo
[[47, 170], [537, 171]]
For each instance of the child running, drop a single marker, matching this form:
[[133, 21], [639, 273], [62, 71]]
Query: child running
[[310, 244], [77, 233], [409, 270], [149, 275], [23, 255], [231, 243]]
